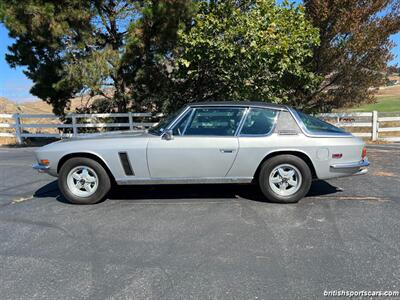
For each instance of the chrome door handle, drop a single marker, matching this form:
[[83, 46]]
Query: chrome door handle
[[227, 150]]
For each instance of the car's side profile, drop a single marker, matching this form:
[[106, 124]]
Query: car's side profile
[[275, 146]]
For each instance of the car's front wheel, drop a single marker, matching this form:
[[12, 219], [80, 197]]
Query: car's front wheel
[[83, 181], [285, 179]]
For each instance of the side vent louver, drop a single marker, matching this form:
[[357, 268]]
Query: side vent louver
[[123, 156]]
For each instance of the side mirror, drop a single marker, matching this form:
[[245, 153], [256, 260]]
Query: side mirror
[[167, 135]]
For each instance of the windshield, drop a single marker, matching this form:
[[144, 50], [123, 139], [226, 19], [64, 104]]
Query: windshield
[[160, 127]]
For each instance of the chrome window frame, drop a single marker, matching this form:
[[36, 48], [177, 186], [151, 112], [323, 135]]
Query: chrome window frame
[[264, 134], [241, 123], [322, 134], [194, 108], [247, 108], [179, 118]]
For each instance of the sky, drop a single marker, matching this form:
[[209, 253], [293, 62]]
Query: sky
[[15, 86], [13, 83]]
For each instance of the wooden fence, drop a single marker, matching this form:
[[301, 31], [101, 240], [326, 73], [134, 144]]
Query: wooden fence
[[73, 125], [373, 125], [377, 126]]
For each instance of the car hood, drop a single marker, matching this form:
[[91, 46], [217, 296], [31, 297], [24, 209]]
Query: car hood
[[111, 135], [99, 137], [87, 142]]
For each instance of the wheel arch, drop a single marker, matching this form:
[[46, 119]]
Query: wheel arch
[[297, 153], [89, 155]]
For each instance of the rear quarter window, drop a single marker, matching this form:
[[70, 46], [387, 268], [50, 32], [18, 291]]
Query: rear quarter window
[[259, 121]]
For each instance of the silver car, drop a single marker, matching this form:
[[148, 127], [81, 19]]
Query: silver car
[[277, 147]]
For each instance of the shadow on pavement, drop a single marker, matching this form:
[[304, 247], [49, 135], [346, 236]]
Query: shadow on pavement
[[202, 191]]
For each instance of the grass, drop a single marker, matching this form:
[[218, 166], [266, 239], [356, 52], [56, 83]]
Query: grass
[[388, 100], [385, 103]]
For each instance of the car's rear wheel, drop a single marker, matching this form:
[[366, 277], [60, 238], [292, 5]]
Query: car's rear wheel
[[83, 181], [285, 179]]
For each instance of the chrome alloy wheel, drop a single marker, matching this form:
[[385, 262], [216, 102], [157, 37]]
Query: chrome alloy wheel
[[285, 180], [82, 181]]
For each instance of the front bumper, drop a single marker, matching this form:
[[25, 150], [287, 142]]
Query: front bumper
[[357, 168], [41, 168]]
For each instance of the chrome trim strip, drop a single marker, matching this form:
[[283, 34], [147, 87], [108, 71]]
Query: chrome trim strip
[[40, 168], [241, 123], [188, 180], [288, 132], [244, 105], [189, 120], [352, 165], [305, 131]]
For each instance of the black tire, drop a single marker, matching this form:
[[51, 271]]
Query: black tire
[[267, 168], [104, 182]]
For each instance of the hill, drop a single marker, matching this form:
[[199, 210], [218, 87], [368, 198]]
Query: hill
[[37, 106], [387, 100], [7, 107]]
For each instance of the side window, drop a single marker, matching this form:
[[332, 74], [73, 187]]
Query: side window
[[215, 121], [315, 125], [259, 121], [180, 127]]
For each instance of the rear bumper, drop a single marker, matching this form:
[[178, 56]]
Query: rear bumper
[[356, 168], [352, 165]]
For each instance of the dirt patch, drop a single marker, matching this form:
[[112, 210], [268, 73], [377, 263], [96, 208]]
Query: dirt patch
[[384, 174], [369, 142], [7, 141], [389, 91]]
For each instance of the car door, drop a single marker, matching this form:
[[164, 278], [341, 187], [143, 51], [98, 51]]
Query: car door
[[204, 145], [256, 140]]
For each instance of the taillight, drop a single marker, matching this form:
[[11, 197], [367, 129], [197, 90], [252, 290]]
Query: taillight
[[337, 155], [364, 153]]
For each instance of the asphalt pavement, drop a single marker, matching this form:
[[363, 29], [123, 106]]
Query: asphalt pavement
[[199, 241]]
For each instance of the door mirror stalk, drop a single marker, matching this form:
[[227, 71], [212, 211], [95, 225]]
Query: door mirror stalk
[[167, 135]]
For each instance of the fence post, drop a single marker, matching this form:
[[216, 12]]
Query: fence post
[[74, 128], [375, 125], [18, 128], [130, 121]]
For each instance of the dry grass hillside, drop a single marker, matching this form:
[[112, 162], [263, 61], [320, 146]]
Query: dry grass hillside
[[37, 106], [41, 107], [7, 107], [389, 91], [33, 107]]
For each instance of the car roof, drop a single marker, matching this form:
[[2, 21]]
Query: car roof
[[240, 103]]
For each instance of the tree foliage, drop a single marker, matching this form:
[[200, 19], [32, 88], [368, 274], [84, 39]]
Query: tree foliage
[[138, 54], [244, 50], [153, 52], [354, 50], [97, 47]]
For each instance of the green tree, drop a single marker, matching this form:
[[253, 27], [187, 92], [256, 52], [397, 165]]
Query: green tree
[[244, 50], [112, 48], [354, 50]]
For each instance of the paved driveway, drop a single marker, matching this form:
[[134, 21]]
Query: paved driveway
[[208, 242]]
